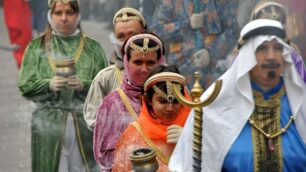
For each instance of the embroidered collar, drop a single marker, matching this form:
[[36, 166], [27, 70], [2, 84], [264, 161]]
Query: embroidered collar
[[269, 93]]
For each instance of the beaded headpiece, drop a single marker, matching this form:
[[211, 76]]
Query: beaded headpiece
[[167, 77], [51, 2], [269, 10], [125, 16], [145, 48]]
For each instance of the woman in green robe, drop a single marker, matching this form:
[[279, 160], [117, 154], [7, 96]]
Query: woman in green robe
[[61, 142]]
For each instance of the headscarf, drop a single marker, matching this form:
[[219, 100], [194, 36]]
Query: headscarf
[[153, 128], [113, 116], [231, 110], [123, 15], [130, 42], [51, 3]]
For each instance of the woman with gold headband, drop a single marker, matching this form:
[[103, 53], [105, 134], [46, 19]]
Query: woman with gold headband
[[121, 106], [127, 22], [56, 73], [160, 120]]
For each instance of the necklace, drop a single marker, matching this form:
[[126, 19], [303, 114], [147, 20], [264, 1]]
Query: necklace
[[270, 136]]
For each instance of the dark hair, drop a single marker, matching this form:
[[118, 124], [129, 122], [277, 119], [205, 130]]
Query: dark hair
[[161, 85], [139, 42]]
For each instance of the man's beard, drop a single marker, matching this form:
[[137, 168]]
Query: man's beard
[[272, 65], [271, 75]]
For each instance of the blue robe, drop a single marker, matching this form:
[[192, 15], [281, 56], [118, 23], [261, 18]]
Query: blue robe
[[240, 156]]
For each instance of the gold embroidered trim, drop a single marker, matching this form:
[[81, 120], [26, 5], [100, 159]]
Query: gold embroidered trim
[[160, 155], [76, 57], [264, 121], [118, 74], [127, 103]]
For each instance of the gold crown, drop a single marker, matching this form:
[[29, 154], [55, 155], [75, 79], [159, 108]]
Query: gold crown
[[145, 48], [167, 77], [51, 2], [164, 77], [125, 17], [268, 10]]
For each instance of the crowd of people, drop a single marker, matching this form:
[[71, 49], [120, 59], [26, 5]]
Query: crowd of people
[[93, 111]]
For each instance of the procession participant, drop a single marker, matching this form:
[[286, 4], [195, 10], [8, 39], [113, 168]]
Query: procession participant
[[61, 140], [127, 22], [276, 11], [121, 106], [273, 10], [160, 120], [257, 122]]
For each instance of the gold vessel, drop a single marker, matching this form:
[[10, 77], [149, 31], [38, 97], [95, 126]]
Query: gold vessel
[[144, 160], [64, 68]]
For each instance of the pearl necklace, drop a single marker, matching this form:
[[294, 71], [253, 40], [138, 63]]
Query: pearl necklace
[[276, 134]]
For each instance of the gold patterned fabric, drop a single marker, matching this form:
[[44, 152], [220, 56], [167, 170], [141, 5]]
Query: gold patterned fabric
[[266, 116]]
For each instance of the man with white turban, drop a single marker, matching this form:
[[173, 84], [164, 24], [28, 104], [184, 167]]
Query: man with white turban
[[257, 122]]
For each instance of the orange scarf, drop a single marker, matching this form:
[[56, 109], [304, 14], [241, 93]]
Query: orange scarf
[[153, 128]]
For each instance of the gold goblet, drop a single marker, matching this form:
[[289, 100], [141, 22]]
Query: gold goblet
[[64, 68]]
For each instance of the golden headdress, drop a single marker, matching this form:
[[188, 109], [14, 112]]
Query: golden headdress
[[145, 48], [169, 78], [269, 10], [124, 14], [51, 2]]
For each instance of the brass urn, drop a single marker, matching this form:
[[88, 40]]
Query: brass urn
[[144, 160], [64, 68]]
